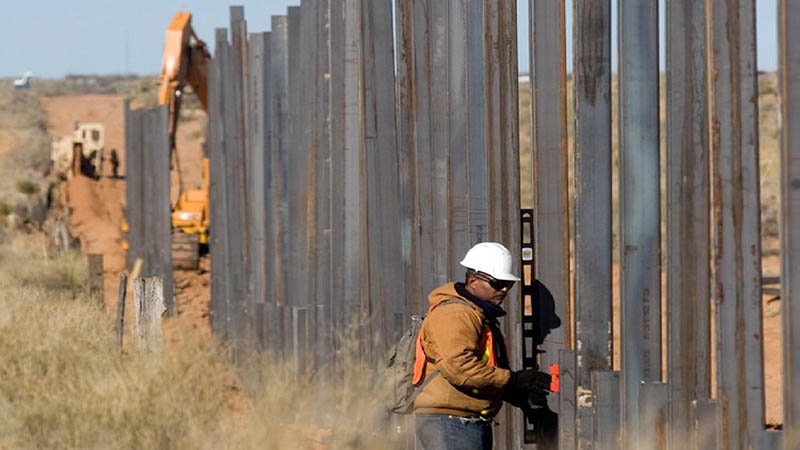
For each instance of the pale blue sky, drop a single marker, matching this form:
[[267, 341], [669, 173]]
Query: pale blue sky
[[53, 38]]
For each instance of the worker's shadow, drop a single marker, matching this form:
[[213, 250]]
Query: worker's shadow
[[544, 314], [545, 319]]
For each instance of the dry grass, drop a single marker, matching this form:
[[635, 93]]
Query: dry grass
[[64, 383], [24, 155]]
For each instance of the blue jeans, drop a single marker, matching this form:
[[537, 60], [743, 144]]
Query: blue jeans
[[445, 432]]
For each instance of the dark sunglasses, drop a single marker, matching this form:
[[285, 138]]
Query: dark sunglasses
[[497, 285]]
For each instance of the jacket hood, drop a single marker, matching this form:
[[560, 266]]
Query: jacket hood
[[444, 292]]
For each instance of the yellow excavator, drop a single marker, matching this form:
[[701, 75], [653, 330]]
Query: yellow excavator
[[185, 60]]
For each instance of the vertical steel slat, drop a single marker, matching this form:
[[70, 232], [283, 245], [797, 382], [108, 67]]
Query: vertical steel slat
[[148, 138], [592, 168], [279, 114], [639, 210], [736, 224], [406, 126], [216, 204], [300, 332], [156, 237], [704, 417], [549, 139], [337, 182], [233, 121], [606, 392], [771, 440], [592, 96], [305, 153], [383, 188], [303, 158], [477, 198], [654, 415], [354, 207], [234, 154], [269, 206], [133, 180], [439, 140], [423, 151], [789, 18], [224, 226], [160, 208], [454, 49], [257, 167], [567, 407], [296, 270], [368, 111], [322, 193], [688, 215], [502, 172]]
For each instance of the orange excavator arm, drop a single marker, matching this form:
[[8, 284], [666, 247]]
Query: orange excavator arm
[[185, 60]]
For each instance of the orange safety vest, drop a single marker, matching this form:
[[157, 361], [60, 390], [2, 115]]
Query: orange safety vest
[[485, 348]]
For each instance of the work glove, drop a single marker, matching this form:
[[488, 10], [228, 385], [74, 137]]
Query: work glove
[[527, 387]]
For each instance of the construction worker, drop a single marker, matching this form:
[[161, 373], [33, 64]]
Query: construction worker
[[114, 163], [465, 357]]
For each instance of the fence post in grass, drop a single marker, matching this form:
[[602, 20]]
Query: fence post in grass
[[123, 290], [96, 279], [148, 295]]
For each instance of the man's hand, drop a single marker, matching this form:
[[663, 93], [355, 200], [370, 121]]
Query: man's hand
[[527, 387]]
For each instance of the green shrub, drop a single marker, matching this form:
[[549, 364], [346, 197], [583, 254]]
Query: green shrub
[[27, 187], [5, 209]]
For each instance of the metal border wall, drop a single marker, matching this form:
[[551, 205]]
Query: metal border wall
[[147, 207], [358, 150]]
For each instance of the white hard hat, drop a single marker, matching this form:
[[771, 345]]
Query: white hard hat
[[490, 258]]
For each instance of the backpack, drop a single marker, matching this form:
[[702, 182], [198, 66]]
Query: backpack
[[400, 391]]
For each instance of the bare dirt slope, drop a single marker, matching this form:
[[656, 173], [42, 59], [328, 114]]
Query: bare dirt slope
[[97, 204]]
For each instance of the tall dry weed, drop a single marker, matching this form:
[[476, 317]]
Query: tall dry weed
[[65, 384]]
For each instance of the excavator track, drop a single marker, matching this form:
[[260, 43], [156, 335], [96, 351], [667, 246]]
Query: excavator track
[[185, 250]]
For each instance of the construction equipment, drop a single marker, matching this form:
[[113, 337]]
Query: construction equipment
[[185, 60], [24, 82], [79, 153]]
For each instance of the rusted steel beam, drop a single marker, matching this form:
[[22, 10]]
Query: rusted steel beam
[[218, 199], [606, 402], [688, 215], [234, 150], [406, 126], [502, 171], [736, 225], [382, 173], [593, 234], [355, 281], [134, 179], [789, 18], [279, 120], [257, 154], [639, 211], [338, 314], [320, 241], [568, 402], [550, 160]]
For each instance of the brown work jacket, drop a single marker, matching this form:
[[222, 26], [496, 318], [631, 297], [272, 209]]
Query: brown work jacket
[[466, 385]]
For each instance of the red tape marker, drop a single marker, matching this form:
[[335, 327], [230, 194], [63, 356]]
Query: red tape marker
[[555, 386]]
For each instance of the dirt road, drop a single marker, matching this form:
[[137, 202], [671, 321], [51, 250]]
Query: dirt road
[[97, 205]]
